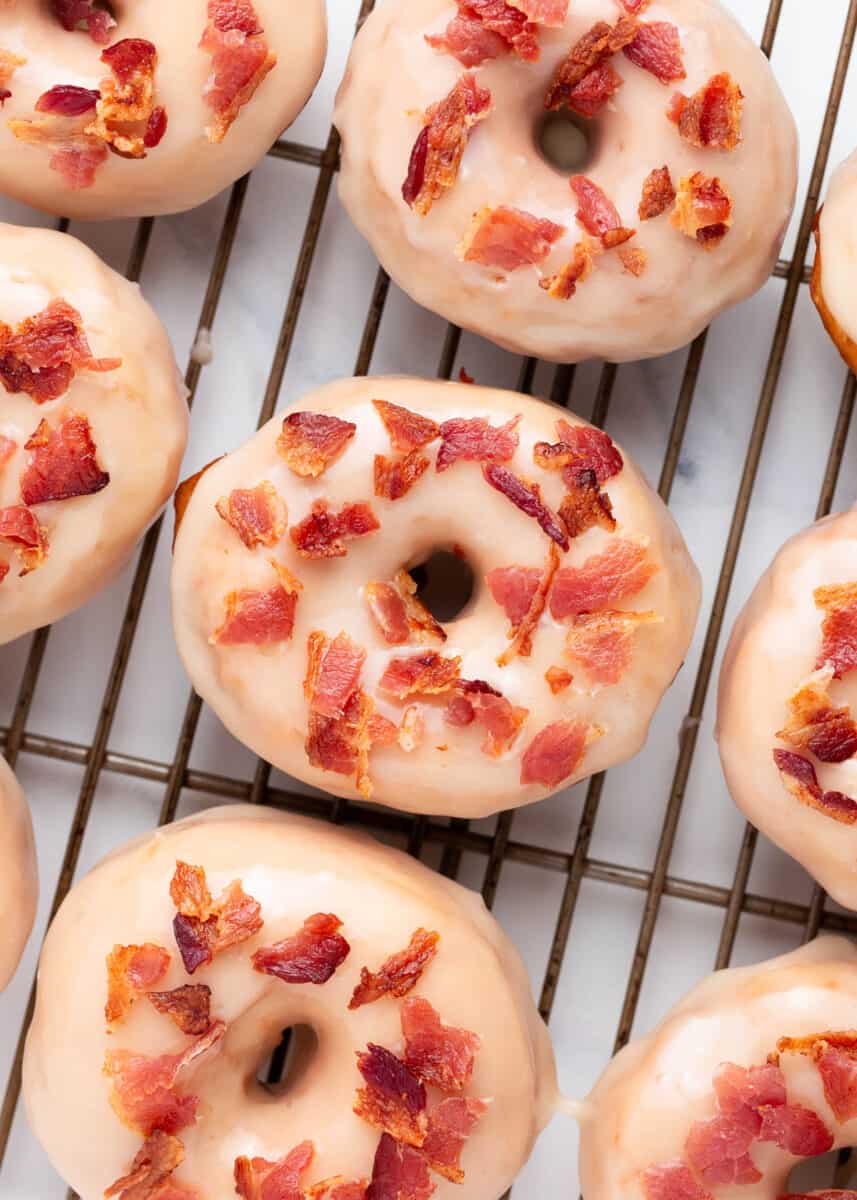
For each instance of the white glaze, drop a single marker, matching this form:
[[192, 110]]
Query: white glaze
[[613, 315], [137, 413], [258, 694], [294, 867], [19, 883], [837, 229], [185, 169]]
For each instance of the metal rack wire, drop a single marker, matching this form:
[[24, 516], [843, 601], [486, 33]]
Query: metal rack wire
[[457, 838]]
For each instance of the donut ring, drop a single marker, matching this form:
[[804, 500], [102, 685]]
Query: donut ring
[[19, 883], [443, 175], [313, 651], [787, 739], [836, 249], [93, 425], [749, 1074], [162, 86], [374, 897]]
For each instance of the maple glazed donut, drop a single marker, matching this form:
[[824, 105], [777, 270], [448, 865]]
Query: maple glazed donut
[[297, 619], [143, 108], [752, 1072], [428, 1067], [835, 258], [93, 425], [19, 885], [661, 228]]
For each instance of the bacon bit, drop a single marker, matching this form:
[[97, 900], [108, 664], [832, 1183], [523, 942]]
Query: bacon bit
[[126, 101], [143, 1094], [657, 49], [621, 571], [151, 1169], [81, 14], [258, 515], [333, 673], [399, 974], [42, 355], [337, 1189], [522, 631], [600, 43], [839, 628], [634, 260], [204, 927], [563, 285], [9, 64], [259, 1179], [795, 1129], [394, 478], [475, 440], [800, 780], [603, 643], [257, 618], [658, 194], [408, 430], [439, 148], [501, 720], [383, 732], [718, 1150], [508, 238], [427, 674], [584, 506], [450, 1124], [438, 1054], [399, 1173], [589, 97], [241, 60], [514, 589], [459, 712], [556, 753], [312, 955], [463, 377], [468, 40], [323, 533], [582, 451], [815, 725], [75, 156], [597, 214], [63, 464], [394, 1099], [130, 971], [835, 1056], [188, 1007], [703, 209], [342, 744], [399, 614], [310, 442], [485, 29], [19, 527], [674, 1181], [68, 100], [710, 119], [528, 498], [558, 679]]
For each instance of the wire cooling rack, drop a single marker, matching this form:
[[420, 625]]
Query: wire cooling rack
[[620, 893]]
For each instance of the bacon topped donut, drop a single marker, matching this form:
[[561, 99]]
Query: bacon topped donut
[[298, 614], [657, 230], [18, 883], [147, 108], [786, 721], [402, 1084], [93, 425]]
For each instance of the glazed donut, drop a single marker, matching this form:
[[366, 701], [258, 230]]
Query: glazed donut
[[399, 966], [836, 253], [133, 116], [19, 884], [443, 174], [295, 613], [93, 425], [752, 1072], [787, 737]]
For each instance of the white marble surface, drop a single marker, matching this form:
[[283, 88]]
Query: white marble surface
[[605, 928]]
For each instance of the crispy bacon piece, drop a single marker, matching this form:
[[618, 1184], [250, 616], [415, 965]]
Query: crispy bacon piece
[[839, 628], [619, 572], [312, 955], [19, 527], [711, 118], [589, 97], [501, 719], [204, 927], [588, 54], [394, 1099], [657, 49], [634, 260], [258, 515], [399, 1173], [718, 1151], [590, 449], [338, 1189], [523, 598], [43, 354], [528, 498], [469, 40], [127, 101], [151, 1170], [62, 464], [67, 100], [82, 14], [597, 214], [257, 618], [658, 194], [259, 1179], [799, 778], [241, 60], [130, 971], [9, 64], [563, 285], [584, 506], [408, 430], [311, 441], [815, 725], [143, 1093], [342, 744], [438, 1054], [703, 209], [188, 1007], [394, 477], [506, 239], [323, 534], [674, 1180], [835, 1056], [556, 753], [473, 439], [485, 29], [558, 679], [450, 1124], [427, 674], [399, 615], [603, 643], [795, 1129], [333, 673], [437, 153], [399, 974], [74, 154], [739, 1089]]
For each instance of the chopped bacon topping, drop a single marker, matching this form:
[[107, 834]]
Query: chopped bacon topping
[[506, 239], [130, 971], [558, 679], [835, 1056], [394, 1099], [312, 955], [485, 29], [188, 1007], [398, 613], [426, 674], [440, 145], [82, 14], [19, 527], [619, 572], [333, 673], [556, 753], [594, 48], [603, 643], [673, 1181], [799, 778], [523, 597], [658, 194], [590, 449], [501, 720], [839, 628], [408, 430], [42, 356], [311, 441], [241, 60], [258, 515], [473, 439], [657, 49], [795, 1129], [62, 463], [703, 209], [151, 1170], [342, 744], [584, 506], [710, 119], [469, 40], [438, 1054], [399, 1173], [450, 1124], [563, 285], [127, 101], [394, 478], [257, 618], [323, 534], [815, 725], [634, 260], [68, 100], [597, 214], [399, 974], [143, 1094], [589, 97], [528, 498], [204, 927], [259, 1179]]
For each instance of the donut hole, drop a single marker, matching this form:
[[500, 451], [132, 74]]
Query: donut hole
[[838, 1169], [444, 583], [566, 142], [289, 1061]]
